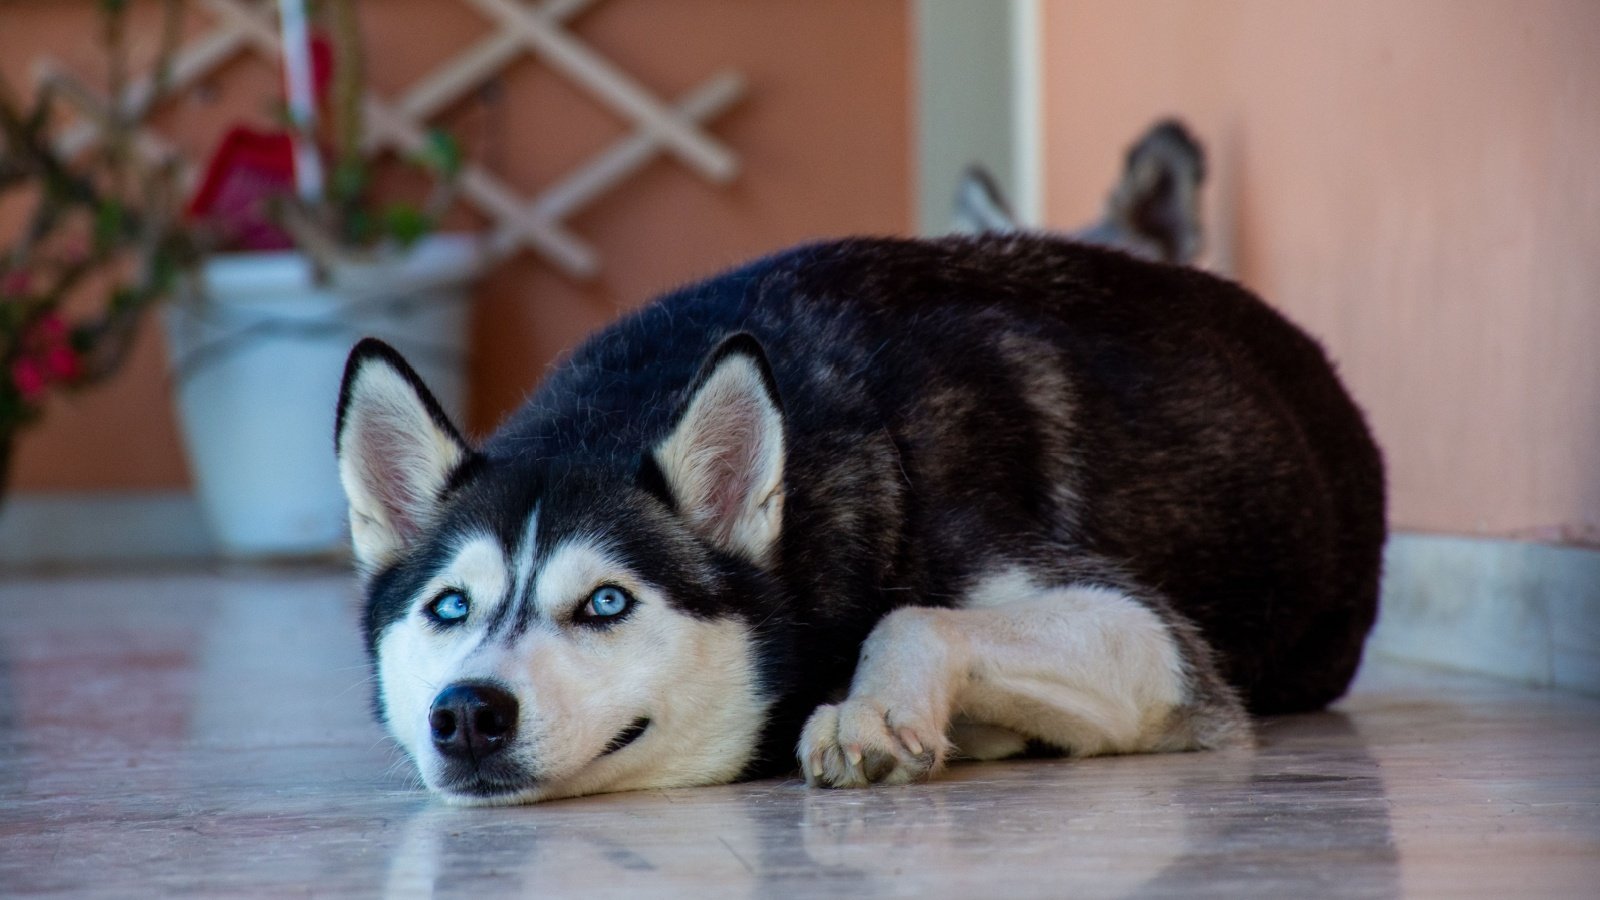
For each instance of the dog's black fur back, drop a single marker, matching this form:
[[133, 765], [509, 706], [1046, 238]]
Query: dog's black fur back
[[957, 405]]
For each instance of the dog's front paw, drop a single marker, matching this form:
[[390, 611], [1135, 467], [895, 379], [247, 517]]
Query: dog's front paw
[[861, 742]]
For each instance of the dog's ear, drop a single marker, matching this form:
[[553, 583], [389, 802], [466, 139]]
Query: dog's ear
[[981, 206], [723, 461], [1158, 198], [396, 449]]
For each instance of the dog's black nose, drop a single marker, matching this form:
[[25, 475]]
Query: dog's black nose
[[472, 720]]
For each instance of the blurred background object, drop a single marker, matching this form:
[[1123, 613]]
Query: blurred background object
[[313, 258], [97, 237], [118, 449]]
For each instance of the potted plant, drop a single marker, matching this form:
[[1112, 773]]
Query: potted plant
[[259, 334], [101, 240]]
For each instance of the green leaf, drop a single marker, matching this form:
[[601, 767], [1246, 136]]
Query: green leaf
[[164, 271], [349, 182], [358, 226], [82, 336], [123, 299], [13, 412], [405, 223], [440, 154], [108, 221]]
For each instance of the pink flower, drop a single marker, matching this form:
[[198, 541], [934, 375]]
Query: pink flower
[[60, 363], [47, 358], [30, 379], [49, 331]]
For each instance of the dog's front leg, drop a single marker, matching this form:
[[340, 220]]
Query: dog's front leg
[[891, 728], [1087, 669]]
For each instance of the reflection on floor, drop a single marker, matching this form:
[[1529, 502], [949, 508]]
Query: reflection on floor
[[206, 733]]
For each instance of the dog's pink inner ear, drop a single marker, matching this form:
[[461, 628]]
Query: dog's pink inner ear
[[724, 460], [396, 474], [394, 459]]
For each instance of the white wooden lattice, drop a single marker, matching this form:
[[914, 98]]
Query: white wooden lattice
[[537, 222]]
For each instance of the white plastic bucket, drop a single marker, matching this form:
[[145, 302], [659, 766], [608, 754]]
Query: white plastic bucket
[[258, 348]]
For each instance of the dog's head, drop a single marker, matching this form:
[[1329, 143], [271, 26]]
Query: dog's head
[[550, 627]]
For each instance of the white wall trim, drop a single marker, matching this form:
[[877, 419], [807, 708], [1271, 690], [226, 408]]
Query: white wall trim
[[1027, 110], [975, 71]]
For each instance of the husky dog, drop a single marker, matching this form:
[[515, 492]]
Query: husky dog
[[881, 503]]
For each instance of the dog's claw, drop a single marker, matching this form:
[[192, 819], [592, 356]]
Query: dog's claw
[[860, 742], [909, 738]]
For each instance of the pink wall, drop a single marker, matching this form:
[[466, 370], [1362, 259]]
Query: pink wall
[[1417, 183], [824, 136]]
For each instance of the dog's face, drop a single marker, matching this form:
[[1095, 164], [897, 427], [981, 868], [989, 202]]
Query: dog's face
[[545, 629]]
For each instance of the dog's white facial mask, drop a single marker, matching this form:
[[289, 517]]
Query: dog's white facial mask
[[641, 703], [542, 668]]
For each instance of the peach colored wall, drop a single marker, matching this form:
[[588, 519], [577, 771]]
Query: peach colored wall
[[1417, 183], [824, 135]]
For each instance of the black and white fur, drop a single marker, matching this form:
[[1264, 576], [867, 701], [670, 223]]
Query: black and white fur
[[878, 504]]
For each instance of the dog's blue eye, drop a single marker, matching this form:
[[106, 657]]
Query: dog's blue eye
[[449, 607], [608, 601]]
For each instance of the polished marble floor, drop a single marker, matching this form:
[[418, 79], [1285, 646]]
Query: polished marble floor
[[207, 734]]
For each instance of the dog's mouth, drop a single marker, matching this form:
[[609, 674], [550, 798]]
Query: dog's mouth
[[497, 783], [485, 788], [626, 736]]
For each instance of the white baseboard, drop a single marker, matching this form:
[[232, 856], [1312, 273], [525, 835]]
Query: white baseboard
[[1520, 611], [72, 529]]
